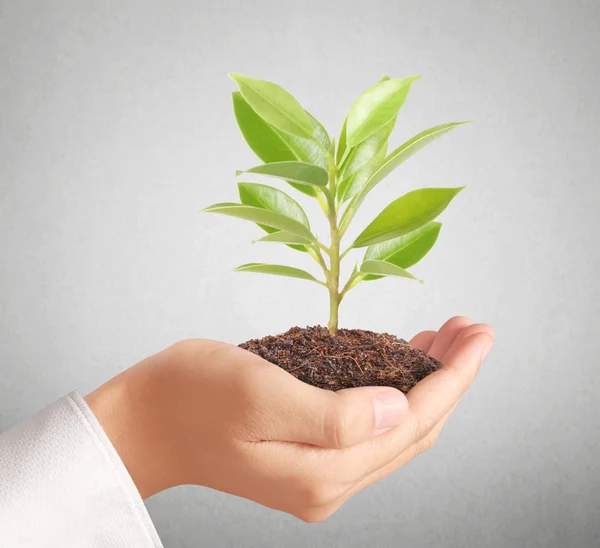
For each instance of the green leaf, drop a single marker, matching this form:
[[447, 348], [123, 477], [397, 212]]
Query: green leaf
[[261, 137], [375, 108], [395, 159], [403, 153], [298, 172], [276, 106], [350, 186], [321, 134], [283, 237], [405, 251], [365, 151], [276, 269], [341, 149], [407, 213], [272, 145], [342, 140], [383, 268], [304, 150], [262, 216], [273, 199]]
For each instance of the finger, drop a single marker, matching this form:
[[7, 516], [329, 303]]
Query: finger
[[468, 331], [423, 340], [435, 395], [446, 336], [337, 420]]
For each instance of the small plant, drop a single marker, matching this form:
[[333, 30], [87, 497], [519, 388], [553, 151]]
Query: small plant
[[296, 148]]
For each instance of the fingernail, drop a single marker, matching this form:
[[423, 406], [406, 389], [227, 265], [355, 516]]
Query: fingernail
[[486, 350], [390, 407]]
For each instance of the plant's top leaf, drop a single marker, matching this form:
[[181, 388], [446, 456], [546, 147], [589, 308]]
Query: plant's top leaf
[[406, 214], [395, 159], [351, 185], [410, 147], [363, 153], [342, 145], [272, 145], [341, 148], [276, 106], [375, 107], [262, 138], [320, 132], [305, 150]]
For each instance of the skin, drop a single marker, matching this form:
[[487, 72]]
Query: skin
[[208, 413]]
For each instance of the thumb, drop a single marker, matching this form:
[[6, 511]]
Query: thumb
[[342, 419]]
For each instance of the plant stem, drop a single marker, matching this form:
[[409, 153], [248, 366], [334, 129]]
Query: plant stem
[[334, 274], [333, 279]]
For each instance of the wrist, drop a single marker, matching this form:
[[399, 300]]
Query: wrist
[[126, 408]]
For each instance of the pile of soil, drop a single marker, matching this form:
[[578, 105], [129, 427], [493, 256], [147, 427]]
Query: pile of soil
[[352, 358]]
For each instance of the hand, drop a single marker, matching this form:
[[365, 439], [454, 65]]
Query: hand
[[208, 413]]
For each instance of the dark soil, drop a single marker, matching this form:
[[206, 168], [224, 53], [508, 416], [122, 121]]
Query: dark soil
[[352, 358]]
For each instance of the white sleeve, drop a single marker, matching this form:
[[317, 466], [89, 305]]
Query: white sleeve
[[63, 484]]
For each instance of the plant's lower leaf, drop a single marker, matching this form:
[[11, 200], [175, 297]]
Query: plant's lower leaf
[[277, 270], [404, 251], [407, 213], [298, 172], [283, 237], [263, 216], [273, 199], [383, 268]]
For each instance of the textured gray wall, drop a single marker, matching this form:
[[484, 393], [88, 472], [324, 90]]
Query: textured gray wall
[[116, 126]]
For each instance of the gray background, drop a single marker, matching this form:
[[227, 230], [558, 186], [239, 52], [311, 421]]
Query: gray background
[[116, 126]]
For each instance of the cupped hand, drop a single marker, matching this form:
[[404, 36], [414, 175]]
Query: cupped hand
[[208, 413]]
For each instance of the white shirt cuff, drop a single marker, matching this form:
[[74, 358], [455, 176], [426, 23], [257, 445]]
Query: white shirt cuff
[[63, 484]]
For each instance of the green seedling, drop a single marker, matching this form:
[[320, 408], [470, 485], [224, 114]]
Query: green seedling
[[297, 149]]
